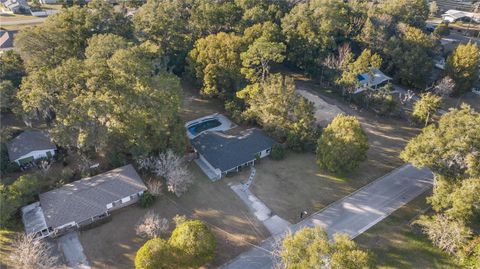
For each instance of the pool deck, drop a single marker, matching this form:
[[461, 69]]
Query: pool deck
[[225, 125]]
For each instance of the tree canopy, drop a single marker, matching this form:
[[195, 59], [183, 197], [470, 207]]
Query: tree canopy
[[342, 145], [156, 253], [115, 92], [65, 34], [195, 242], [410, 56], [215, 62], [450, 148], [462, 67], [425, 107], [275, 105], [191, 245], [312, 29], [311, 248]]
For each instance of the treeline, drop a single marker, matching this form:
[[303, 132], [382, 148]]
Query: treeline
[[100, 78]]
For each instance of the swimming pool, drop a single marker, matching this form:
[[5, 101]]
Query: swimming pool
[[206, 124]]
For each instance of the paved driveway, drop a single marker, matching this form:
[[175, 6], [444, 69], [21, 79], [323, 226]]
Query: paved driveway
[[73, 251], [353, 214]]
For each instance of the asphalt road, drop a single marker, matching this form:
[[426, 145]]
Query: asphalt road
[[353, 214], [19, 22]]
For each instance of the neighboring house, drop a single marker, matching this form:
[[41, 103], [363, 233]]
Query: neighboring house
[[30, 145], [82, 202], [453, 15], [16, 6], [220, 153], [371, 80], [6, 40]]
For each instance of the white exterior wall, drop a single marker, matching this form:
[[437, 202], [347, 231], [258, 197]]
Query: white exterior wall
[[36, 154], [265, 153]]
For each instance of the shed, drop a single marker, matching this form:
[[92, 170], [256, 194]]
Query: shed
[[30, 145]]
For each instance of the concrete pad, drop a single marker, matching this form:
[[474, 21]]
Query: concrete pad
[[276, 225], [73, 251]]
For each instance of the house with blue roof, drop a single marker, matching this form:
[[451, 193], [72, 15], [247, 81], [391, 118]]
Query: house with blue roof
[[372, 80]]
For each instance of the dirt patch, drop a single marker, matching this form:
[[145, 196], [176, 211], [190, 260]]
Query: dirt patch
[[324, 112], [114, 244]]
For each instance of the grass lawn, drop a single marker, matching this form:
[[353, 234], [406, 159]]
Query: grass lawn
[[395, 244], [114, 244], [469, 98]]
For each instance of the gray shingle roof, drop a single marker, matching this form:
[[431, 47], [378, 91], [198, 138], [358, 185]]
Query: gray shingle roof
[[225, 152], [6, 39], [88, 197], [27, 142]]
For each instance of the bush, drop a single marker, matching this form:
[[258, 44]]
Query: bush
[[234, 108], [155, 254], [195, 242], [442, 30], [12, 167], [278, 152], [342, 145], [146, 200], [21, 192], [116, 159]]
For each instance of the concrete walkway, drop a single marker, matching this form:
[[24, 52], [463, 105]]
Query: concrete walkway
[[274, 224], [353, 214], [73, 251]]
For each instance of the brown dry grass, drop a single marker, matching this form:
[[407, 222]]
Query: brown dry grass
[[395, 243]]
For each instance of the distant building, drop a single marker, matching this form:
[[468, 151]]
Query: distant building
[[220, 153], [371, 80], [16, 6], [82, 202], [6, 40], [29, 146], [453, 15], [47, 2]]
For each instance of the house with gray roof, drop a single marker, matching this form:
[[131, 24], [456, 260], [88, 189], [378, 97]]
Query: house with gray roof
[[371, 80], [16, 6], [30, 145], [220, 153], [83, 202]]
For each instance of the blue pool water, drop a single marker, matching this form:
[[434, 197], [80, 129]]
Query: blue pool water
[[197, 128]]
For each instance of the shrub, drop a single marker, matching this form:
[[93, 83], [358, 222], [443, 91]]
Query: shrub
[[278, 152], [195, 242], [342, 145], [146, 200], [116, 159], [442, 30], [156, 254]]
